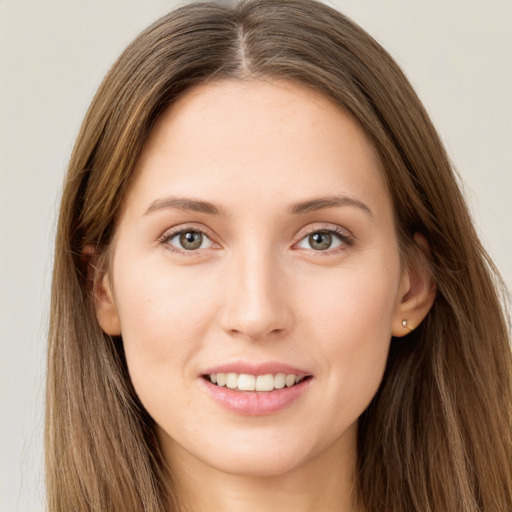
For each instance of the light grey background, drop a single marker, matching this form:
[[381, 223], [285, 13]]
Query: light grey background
[[53, 55]]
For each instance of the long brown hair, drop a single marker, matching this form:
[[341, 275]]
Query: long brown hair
[[437, 436]]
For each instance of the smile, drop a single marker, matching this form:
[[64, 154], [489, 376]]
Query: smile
[[247, 382]]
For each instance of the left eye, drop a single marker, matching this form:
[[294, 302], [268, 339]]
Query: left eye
[[321, 241], [189, 240]]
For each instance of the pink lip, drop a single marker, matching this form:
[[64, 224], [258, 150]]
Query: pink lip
[[256, 369], [255, 403]]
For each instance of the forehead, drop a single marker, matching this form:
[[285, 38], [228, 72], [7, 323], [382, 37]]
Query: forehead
[[241, 140]]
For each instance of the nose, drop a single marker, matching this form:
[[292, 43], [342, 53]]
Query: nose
[[257, 303]]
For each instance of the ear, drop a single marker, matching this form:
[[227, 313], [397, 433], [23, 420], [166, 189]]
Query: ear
[[106, 310], [417, 290]]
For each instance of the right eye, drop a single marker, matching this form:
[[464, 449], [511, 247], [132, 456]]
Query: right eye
[[188, 240]]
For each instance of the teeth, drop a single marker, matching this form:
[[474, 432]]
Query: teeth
[[232, 380], [279, 380], [246, 382], [289, 380], [265, 382]]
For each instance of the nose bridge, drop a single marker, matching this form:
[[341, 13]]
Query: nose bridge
[[255, 301]]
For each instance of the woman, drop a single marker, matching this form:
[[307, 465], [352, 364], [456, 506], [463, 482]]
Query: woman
[[268, 291]]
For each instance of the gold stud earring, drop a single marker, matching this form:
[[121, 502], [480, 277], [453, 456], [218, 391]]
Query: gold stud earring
[[404, 324]]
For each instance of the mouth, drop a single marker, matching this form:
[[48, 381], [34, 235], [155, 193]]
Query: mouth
[[261, 383]]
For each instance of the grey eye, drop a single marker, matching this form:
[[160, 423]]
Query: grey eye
[[320, 241], [190, 240]]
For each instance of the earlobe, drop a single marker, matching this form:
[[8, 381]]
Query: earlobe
[[417, 290], [102, 296]]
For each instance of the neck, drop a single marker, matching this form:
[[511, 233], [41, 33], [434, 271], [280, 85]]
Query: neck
[[326, 483]]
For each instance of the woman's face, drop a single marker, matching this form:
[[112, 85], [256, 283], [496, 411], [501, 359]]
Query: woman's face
[[256, 240]]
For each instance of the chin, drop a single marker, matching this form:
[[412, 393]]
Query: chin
[[264, 455], [260, 463]]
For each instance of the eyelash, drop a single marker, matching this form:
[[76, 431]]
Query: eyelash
[[346, 240], [169, 235]]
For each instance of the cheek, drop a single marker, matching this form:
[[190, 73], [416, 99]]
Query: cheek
[[352, 301], [164, 317], [350, 321]]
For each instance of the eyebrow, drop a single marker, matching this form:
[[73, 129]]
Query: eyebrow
[[312, 205], [181, 203], [328, 202]]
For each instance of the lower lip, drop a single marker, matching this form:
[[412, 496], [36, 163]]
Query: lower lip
[[256, 403]]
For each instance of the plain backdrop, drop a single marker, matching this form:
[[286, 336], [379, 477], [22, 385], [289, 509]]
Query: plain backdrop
[[53, 54]]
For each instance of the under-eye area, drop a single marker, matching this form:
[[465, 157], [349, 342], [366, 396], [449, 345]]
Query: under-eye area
[[247, 382]]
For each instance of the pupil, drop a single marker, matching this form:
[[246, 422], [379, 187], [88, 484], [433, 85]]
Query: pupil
[[320, 241], [191, 240]]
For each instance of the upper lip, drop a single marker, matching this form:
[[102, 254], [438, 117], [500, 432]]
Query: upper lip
[[251, 368]]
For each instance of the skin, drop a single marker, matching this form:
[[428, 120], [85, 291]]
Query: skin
[[257, 290]]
